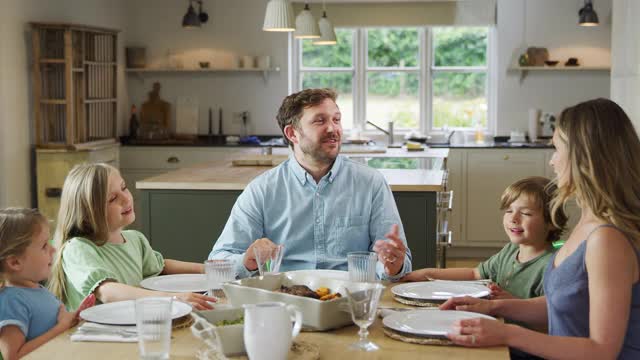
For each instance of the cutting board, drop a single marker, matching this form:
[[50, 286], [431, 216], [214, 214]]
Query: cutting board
[[259, 160], [187, 116]]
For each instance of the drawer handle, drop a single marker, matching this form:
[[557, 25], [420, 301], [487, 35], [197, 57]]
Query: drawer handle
[[53, 192], [506, 157], [173, 160]]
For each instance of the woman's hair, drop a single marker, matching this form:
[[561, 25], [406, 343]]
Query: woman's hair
[[83, 213], [17, 228], [603, 164], [540, 190]]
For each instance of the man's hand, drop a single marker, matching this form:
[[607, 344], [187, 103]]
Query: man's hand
[[250, 256], [391, 252]]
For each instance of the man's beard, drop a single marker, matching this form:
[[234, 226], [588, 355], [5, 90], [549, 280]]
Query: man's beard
[[316, 152]]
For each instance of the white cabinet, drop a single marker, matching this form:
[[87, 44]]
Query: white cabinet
[[478, 177], [489, 172]]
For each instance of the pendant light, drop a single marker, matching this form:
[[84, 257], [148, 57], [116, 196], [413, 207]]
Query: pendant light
[[192, 19], [278, 16], [588, 16], [306, 25], [327, 32]]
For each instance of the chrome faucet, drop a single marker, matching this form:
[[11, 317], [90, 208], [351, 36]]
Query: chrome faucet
[[388, 132]]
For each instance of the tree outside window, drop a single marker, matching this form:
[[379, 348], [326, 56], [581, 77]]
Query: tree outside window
[[380, 74]]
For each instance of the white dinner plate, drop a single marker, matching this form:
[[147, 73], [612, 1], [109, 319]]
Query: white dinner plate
[[428, 322], [124, 312], [439, 290], [176, 283], [322, 273]]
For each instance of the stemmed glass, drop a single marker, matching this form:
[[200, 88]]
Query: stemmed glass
[[363, 302]]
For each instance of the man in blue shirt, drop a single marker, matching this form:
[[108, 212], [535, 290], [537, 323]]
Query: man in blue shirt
[[319, 204]]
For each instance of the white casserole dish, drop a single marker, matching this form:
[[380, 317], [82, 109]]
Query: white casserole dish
[[317, 315]]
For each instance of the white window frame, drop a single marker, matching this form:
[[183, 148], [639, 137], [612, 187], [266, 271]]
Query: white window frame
[[359, 70]]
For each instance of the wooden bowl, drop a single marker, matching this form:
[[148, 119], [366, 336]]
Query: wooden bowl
[[551, 62]]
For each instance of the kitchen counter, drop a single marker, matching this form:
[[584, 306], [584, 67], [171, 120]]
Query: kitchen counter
[[205, 141], [222, 175], [184, 211], [493, 145]]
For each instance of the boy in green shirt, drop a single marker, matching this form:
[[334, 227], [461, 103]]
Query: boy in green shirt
[[517, 269]]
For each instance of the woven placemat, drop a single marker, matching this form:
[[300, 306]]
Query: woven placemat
[[411, 302], [408, 338], [300, 350], [182, 322]]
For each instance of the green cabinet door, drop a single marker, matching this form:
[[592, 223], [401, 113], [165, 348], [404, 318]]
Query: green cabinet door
[[184, 224]]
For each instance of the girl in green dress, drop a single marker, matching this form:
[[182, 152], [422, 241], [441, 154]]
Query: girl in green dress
[[95, 252]]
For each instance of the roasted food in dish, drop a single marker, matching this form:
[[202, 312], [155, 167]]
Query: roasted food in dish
[[322, 293], [299, 290]]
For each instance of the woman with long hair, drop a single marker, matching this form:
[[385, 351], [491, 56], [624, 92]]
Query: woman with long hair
[[592, 293]]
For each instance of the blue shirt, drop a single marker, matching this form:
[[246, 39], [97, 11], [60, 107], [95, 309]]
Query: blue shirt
[[33, 311], [319, 223]]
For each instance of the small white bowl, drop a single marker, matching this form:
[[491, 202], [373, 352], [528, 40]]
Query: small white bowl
[[229, 339]]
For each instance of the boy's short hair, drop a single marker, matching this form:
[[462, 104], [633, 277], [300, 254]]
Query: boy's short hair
[[541, 190]]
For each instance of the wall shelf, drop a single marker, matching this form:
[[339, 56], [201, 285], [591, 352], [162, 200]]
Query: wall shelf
[[561, 68], [139, 72], [524, 70]]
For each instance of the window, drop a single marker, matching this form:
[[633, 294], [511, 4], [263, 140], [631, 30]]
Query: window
[[419, 78], [459, 77], [331, 66]]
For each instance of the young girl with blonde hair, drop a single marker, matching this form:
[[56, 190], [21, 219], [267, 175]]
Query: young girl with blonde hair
[[592, 289], [29, 315], [95, 253]]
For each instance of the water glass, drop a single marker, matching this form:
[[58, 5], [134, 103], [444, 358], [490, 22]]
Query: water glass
[[363, 303], [269, 259], [153, 322], [218, 272], [362, 266]]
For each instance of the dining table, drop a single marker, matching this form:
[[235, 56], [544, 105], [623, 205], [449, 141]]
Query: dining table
[[332, 344]]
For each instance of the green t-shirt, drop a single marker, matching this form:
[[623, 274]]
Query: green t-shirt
[[523, 280], [87, 265]]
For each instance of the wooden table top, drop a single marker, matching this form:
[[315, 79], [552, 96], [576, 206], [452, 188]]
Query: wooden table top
[[333, 345], [222, 175]]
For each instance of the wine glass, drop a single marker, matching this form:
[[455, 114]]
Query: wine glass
[[363, 302]]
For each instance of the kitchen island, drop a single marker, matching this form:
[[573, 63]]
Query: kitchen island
[[183, 212]]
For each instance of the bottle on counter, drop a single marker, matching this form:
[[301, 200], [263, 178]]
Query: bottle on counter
[[134, 125]]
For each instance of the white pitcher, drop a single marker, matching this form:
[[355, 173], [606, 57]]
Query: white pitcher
[[267, 329]]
